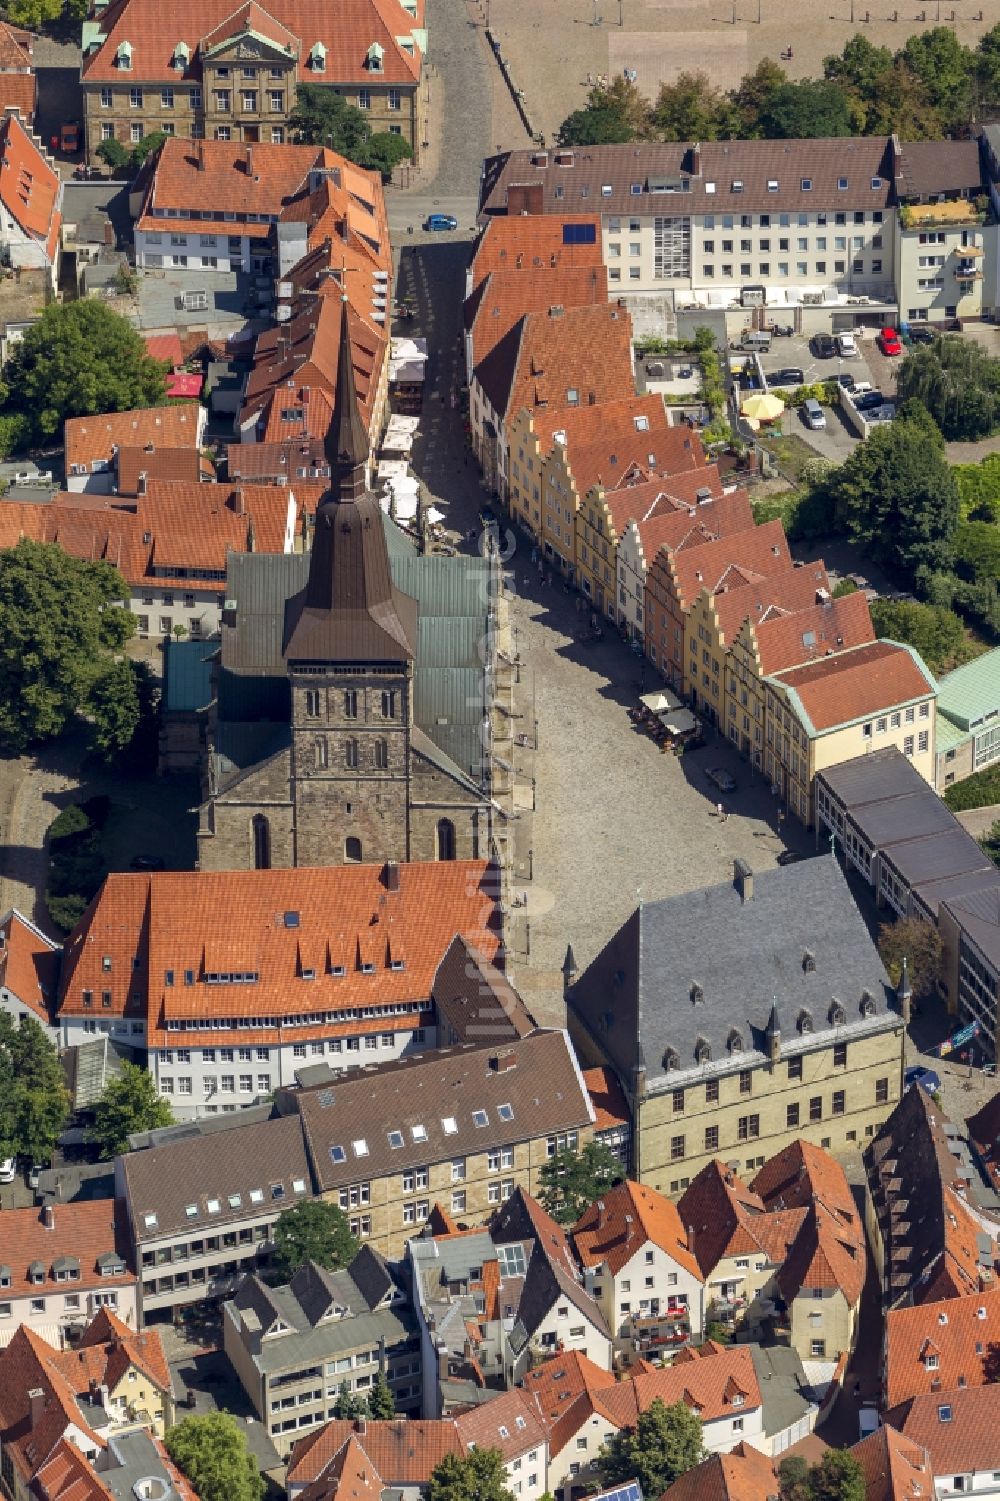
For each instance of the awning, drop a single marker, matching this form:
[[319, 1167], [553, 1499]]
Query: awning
[[679, 721], [660, 700]]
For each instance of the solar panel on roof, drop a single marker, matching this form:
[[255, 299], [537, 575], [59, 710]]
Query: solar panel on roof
[[629, 1492]]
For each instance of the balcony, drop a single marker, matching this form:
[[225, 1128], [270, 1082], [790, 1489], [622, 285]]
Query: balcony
[[659, 1331], [967, 272]]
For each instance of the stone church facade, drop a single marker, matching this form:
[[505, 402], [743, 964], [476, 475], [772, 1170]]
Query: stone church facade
[[352, 719]]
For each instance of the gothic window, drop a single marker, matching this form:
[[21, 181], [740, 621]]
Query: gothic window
[[312, 702], [351, 703], [388, 704], [446, 839], [352, 849], [261, 842], [322, 755], [351, 754], [381, 754]]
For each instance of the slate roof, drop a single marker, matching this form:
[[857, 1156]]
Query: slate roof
[[640, 996], [927, 168], [552, 1268], [430, 1099]]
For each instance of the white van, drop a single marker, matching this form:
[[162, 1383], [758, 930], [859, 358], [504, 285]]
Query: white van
[[813, 415], [847, 346], [758, 339]]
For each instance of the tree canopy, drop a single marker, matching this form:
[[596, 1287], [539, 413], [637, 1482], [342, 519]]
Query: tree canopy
[[932, 630], [897, 495], [60, 625], [665, 1443], [312, 1231], [959, 384], [919, 943], [34, 1100], [128, 1103], [78, 359], [811, 107], [477, 1476], [322, 117], [212, 1452], [572, 1180]]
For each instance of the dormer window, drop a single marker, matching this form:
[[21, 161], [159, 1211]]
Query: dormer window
[[123, 57], [805, 1022], [867, 1003], [837, 1014], [808, 963], [734, 1041], [317, 58], [374, 59], [671, 1059], [697, 994], [182, 56], [702, 1051]]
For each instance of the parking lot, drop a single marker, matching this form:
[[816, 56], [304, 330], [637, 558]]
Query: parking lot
[[797, 353]]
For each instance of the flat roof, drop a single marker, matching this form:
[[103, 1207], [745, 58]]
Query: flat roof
[[871, 778], [899, 819], [924, 863], [970, 692]]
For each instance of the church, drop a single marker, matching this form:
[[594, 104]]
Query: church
[[355, 691]]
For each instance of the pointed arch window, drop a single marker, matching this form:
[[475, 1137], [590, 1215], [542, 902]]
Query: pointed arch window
[[445, 839], [261, 831]]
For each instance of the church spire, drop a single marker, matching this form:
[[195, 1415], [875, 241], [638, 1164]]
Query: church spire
[[346, 444]]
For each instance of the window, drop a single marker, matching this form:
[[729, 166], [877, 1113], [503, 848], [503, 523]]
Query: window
[[818, 1349], [678, 1099], [351, 754], [839, 1104], [395, 99], [816, 1108], [381, 754], [445, 839], [364, 98], [791, 1117], [748, 1127], [166, 98], [351, 703], [746, 1081], [840, 1054], [712, 1092], [223, 100], [795, 1068], [249, 101], [711, 1138], [881, 1091], [135, 135], [676, 1148], [458, 1202], [277, 101], [105, 98]]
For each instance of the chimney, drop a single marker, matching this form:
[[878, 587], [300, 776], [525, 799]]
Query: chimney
[[743, 880], [600, 1214], [503, 1062], [249, 167], [390, 875], [904, 993], [140, 484], [49, 1217], [639, 1082], [36, 1398], [570, 970], [199, 155], [109, 234], [774, 1033]]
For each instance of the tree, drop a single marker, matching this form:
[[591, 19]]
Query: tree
[[571, 1180], [665, 1443], [78, 359], [837, 1477], [959, 384], [59, 625], [752, 96], [35, 1100], [113, 153], [896, 494], [990, 845], [988, 65], [113, 707], [812, 107], [324, 118], [383, 152], [919, 943], [128, 1103], [32, 14], [936, 633], [146, 147], [691, 109], [313, 1231], [476, 1476], [945, 68], [615, 113], [349, 1405], [793, 1478], [381, 1402], [212, 1452]]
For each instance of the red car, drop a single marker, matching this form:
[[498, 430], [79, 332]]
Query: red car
[[889, 342]]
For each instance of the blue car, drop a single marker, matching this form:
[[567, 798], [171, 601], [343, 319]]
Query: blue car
[[441, 221], [925, 1077]]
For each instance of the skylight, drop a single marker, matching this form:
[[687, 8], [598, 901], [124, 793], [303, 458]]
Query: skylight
[[256, 1195], [360, 1147], [395, 1140], [191, 1211], [337, 1154], [511, 1260], [419, 1133], [480, 1118], [277, 1190], [505, 1112], [150, 1221], [213, 1206], [235, 1200], [298, 1185], [449, 1125]]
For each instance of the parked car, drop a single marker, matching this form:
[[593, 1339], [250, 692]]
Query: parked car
[[720, 778], [813, 415], [869, 401], [921, 334], [846, 382], [35, 1172], [788, 857], [440, 221], [824, 346], [8, 1170], [847, 346], [889, 344], [925, 1077], [886, 413], [789, 377], [147, 862]]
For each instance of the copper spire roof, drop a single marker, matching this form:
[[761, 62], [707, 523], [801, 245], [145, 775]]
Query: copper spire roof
[[346, 444]]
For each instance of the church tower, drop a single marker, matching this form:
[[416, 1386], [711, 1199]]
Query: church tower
[[349, 644]]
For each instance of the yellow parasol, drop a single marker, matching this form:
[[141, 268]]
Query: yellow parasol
[[764, 408]]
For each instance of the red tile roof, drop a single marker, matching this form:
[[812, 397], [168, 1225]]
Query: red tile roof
[[727, 563], [533, 242], [787, 640], [854, 684], [937, 1346], [116, 1347], [780, 594], [153, 33], [158, 463], [67, 1476], [720, 1215], [29, 1441], [744, 1474], [85, 1230], [664, 524], [894, 1468], [16, 48], [19, 91], [93, 438], [548, 355], [511, 1422], [607, 1097], [29, 965], [614, 1228], [565, 1388], [30, 187], [499, 302], [165, 921], [166, 347], [960, 1430], [403, 1451]]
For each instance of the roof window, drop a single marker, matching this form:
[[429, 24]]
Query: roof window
[[806, 184], [292, 919], [449, 1125], [842, 184], [298, 1185], [277, 1190], [772, 184], [418, 1133], [606, 190], [235, 1201], [191, 1211], [480, 1118], [150, 1221], [944, 1412], [737, 184], [395, 1140], [360, 1147], [505, 1112], [876, 184], [337, 1154], [256, 1196], [213, 1206]]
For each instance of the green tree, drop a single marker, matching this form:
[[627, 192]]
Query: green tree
[[34, 1100], [793, 1478], [113, 154], [476, 1476], [212, 1453], [324, 118], [129, 1103], [896, 494], [936, 633], [15, 433], [753, 94], [845, 587], [349, 1405], [313, 1231], [615, 113], [945, 68], [60, 623], [959, 384], [32, 14], [381, 1402], [919, 943], [691, 109], [811, 107], [146, 147], [977, 550], [988, 65], [78, 359], [665, 1443], [571, 1180], [837, 1477], [990, 844], [383, 152], [113, 707]]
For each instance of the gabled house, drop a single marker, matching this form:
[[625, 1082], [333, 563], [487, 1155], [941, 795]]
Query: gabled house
[[29, 971], [31, 199], [121, 1370], [92, 443], [638, 1264], [939, 1347], [62, 1264], [18, 85]]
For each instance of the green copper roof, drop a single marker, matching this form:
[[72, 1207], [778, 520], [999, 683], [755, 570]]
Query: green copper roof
[[971, 692]]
